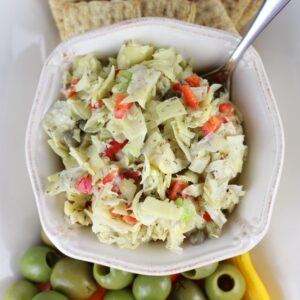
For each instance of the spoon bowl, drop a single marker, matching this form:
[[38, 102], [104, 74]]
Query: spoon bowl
[[266, 14]]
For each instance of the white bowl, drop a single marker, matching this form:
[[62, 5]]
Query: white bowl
[[252, 93]]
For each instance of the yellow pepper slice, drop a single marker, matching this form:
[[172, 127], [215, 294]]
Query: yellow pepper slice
[[255, 287]]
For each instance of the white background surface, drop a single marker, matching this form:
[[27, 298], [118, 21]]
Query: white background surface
[[27, 35]]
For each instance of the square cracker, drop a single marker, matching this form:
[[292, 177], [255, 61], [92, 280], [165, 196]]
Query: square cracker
[[85, 16], [56, 7], [249, 13], [235, 8], [179, 9], [213, 14]]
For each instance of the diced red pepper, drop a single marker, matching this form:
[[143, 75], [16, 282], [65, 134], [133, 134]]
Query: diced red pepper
[[98, 295], [189, 97], [226, 108], [97, 105], [207, 217], [177, 87], [113, 148], [193, 80], [84, 185], [212, 125], [71, 89], [175, 277], [44, 286], [121, 109], [117, 71], [130, 220], [111, 177], [176, 189]]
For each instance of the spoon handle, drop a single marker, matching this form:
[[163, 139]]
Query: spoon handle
[[268, 11]]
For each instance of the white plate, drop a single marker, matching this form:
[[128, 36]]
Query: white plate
[[27, 36]]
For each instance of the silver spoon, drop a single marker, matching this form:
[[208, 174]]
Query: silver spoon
[[267, 12]]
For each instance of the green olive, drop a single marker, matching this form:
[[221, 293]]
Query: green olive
[[201, 272], [186, 290], [37, 263], [73, 278], [227, 283], [151, 287], [46, 240], [50, 295], [124, 294], [197, 237], [21, 290], [112, 279]]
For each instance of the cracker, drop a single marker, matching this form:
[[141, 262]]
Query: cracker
[[179, 9], [213, 14], [249, 13], [235, 8], [85, 16], [56, 7]]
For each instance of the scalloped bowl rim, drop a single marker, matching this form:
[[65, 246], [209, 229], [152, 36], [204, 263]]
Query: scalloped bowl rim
[[189, 263]]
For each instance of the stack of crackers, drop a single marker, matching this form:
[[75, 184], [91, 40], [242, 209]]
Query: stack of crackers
[[73, 17]]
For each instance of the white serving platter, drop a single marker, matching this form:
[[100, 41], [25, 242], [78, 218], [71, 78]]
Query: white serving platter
[[28, 35]]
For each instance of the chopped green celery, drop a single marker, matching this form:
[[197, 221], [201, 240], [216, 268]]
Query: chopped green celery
[[122, 80], [179, 202], [126, 74], [120, 87], [189, 211]]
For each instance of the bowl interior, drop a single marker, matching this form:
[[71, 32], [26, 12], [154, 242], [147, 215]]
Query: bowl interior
[[251, 92]]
